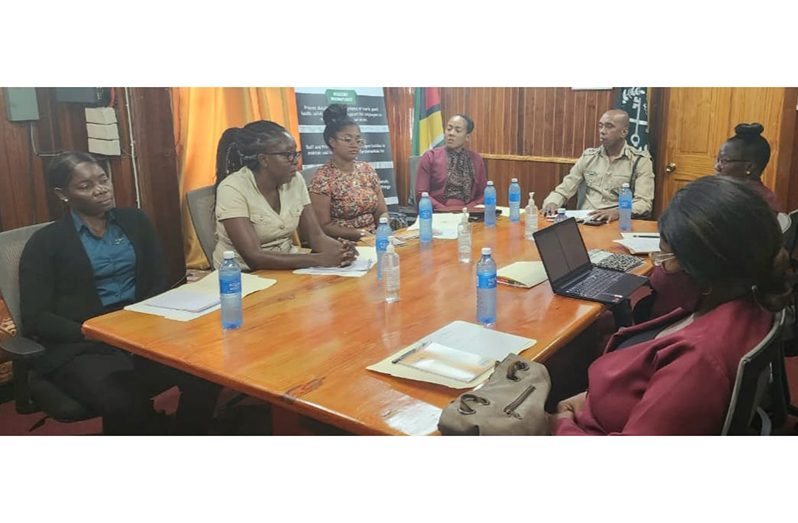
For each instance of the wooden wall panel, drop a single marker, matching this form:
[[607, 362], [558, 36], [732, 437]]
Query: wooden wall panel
[[399, 112], [533, 134], [24, 198]]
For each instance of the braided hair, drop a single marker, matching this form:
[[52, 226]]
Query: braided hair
[[240, 146]]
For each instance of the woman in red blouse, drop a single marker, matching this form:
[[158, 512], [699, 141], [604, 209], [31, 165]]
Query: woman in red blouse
[[674, 374], [345, 193], [453, 176]]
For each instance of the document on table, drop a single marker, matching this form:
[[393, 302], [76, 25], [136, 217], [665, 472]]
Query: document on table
[[366, 259], [444, 225], [453, 356], [640, 245], [525, 274], [578, 215], [196, 299]]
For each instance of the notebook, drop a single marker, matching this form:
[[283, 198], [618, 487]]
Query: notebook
[[570, 271], [524, 274]]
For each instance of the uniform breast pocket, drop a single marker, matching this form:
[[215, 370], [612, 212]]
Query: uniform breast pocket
[[592, 179], [617, 181]]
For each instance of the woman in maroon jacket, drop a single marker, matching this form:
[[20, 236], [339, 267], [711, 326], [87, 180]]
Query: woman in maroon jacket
[[674, 374], [453, 176]]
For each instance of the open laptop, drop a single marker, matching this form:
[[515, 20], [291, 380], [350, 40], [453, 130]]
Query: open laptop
[[570, 271]]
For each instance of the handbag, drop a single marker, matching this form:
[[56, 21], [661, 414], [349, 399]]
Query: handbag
[[509, 403]]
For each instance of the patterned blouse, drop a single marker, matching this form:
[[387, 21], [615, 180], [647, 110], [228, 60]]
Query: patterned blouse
[[354, 197]]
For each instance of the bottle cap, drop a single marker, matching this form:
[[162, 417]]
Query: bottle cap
[[229, 255], [490, 182], [625, 185], [383, 219], [532, 194], [391, 248], [514, 180], [465, 210], [485, 251], [425, 194]]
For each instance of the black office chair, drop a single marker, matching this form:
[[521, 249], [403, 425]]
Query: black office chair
[[32, 391], [758, 386]]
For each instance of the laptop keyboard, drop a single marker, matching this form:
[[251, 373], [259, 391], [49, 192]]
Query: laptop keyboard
[[596, 282]]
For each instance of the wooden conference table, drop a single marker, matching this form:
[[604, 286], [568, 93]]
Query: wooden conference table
[[307, 340]]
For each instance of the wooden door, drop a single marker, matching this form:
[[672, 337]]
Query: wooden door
[[700, 119]]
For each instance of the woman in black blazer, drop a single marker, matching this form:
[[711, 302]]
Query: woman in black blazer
[[94, 260]]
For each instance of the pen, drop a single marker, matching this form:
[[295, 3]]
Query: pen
[[645, 236], [411, 351]]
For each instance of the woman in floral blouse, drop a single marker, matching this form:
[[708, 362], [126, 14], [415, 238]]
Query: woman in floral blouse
[[345, 193]]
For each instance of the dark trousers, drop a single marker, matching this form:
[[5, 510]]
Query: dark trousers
[[119, 386]]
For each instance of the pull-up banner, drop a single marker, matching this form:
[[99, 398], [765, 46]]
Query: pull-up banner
[[366, 106]]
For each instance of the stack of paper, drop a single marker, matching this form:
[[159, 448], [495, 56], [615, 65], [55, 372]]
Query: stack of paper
[[366, 259], [193, 300], [522, 274]]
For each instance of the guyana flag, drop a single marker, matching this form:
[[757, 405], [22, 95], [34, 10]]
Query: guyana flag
[[427, 121]]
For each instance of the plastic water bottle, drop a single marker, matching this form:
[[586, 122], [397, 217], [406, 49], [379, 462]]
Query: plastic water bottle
[[561, 217], [425, 218], [514, 197], [390, 270], [625, 208], [230, 291], [381, 242], [486, 289], [464, 238], [490, 205], [530, 218]]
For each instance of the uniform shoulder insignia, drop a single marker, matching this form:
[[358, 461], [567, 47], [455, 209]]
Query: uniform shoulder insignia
[[591, 151]]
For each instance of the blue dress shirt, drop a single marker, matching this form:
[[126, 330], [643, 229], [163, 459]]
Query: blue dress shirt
[[113, 261]]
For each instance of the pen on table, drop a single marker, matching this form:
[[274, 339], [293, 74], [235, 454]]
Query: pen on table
[[411, 351], [645, 236]]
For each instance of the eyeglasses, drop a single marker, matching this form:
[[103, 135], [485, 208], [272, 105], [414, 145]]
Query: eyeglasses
[[724, 161], [658, 258], [349, 139], [291, 156]]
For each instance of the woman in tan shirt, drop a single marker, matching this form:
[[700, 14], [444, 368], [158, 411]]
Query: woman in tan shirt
[[261, 200]]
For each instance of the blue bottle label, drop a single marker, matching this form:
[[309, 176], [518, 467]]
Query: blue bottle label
[[425, 214], [382, 244], [230, 286], [486, 281]]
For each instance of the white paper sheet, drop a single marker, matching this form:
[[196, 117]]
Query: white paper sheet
[[640, 245], [444, 225], [366, 259]]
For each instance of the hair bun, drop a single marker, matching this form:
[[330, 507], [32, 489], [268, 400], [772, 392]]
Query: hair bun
[[333, 113], [749, 129]]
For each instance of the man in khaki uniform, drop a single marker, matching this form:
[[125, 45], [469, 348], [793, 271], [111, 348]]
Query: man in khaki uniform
[[604, 169]]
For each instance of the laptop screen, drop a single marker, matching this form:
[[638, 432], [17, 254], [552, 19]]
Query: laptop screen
[[562, 250]]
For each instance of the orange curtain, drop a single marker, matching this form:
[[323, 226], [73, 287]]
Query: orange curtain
[[201, 115]]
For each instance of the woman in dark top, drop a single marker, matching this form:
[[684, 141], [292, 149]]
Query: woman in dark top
[[94, 260], [743, 156]]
